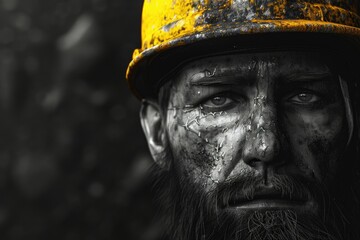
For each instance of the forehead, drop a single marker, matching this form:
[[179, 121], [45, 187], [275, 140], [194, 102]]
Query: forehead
[[254, 64]]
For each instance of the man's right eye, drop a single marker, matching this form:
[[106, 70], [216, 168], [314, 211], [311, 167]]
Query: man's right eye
[[218, 102]]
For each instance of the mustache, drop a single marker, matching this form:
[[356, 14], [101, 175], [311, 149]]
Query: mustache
[[249, 187]]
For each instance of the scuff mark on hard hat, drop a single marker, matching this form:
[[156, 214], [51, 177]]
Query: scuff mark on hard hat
[[169, 26]]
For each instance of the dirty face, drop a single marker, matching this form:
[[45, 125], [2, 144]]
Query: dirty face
[[269, 117], [254, 136]]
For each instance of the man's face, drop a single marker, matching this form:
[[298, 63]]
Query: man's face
[[257, 136]]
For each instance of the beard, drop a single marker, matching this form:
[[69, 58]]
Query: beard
[[190, 213], [200, 216]]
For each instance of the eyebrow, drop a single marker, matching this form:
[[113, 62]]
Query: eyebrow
[[307, 76], [221, 80]]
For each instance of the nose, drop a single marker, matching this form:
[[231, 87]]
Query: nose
[[262, 144]]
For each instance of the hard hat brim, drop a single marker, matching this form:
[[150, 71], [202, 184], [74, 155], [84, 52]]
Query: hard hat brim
[[253, 36]]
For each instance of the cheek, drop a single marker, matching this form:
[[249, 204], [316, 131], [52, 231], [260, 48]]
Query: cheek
[[204, 145], [317, 139]]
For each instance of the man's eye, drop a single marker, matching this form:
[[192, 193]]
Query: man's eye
[[304, 98], [218, 101]]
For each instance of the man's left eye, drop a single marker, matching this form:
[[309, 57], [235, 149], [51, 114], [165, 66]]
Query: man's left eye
[[304, 98], [218, 101]]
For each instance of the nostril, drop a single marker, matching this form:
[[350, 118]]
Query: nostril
[[254, 163], [262, 146], [262, 152]]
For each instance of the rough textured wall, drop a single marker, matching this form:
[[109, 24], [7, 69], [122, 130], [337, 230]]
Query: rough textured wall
[[73, 158]]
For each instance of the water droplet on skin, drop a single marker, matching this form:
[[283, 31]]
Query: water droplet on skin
[[248, 128], [263, 148], [261, 120], [221, 144]]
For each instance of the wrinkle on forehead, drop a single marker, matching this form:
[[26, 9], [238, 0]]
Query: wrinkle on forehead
[[242, 67]]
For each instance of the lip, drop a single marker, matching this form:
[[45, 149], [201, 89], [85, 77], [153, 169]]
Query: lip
[[269, 203], [267, 198]]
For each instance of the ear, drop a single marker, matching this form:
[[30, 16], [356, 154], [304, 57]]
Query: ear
[[152, 122]]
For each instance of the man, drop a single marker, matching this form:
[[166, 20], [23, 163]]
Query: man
[[250, 112]]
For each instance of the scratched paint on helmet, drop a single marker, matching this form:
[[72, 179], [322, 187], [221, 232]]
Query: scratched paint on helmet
[[171, 23], [165, 20]]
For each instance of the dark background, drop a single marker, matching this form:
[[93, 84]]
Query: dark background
[[73, 159]]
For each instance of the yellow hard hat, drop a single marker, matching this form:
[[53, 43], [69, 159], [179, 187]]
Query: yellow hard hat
[[190, 28]]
